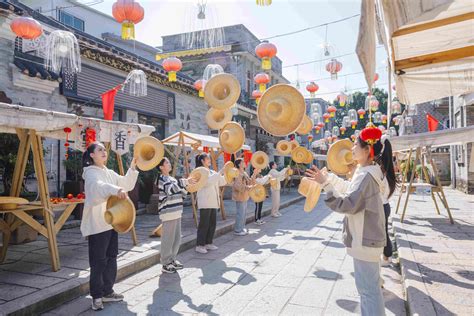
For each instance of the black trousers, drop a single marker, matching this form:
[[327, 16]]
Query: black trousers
[[207, 226], [387, 250], [103, 251], [258, 210]]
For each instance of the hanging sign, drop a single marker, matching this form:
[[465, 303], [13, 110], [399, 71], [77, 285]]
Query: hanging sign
[[120, 141]]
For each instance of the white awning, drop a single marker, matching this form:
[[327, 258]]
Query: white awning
[[192, 138], [430, 44]]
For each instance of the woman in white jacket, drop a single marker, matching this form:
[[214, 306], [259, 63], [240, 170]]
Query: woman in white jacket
[[208, 200], [100, 183], [280, 176], [361, 201]]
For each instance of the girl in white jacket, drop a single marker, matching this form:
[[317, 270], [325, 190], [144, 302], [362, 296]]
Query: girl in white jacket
[[360, 199], [280, 176], [100, 183]]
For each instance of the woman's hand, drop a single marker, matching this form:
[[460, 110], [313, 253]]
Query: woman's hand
[[192, 181], [121, 194], [133, 165], [316, 175], [256, 172]]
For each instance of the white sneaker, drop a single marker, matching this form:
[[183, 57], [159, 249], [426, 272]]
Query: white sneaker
[[279, 214], [211, 247], [201, 249], [243, 233], [259, 222]]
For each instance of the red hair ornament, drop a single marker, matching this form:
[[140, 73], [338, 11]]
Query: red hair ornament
[[371, 135]]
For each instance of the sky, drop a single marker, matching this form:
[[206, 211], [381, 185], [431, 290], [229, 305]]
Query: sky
[[165, 17]]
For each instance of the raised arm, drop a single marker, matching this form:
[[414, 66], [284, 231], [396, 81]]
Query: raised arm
[[128, 181]]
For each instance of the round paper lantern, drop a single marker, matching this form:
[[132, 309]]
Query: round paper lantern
[[396, 107], [172, 65], [332, 110], [256, 94], [262, 79], [353, 124], [199, 86], [129, 13], [266, 51], [361, 113], [26, 27], [370, 134], [312, 88], [317, 128], [377, 117], [342, 129], [384, 118], [326, 117], [371, 103], [346, 121], [333, 67], [342, 98]]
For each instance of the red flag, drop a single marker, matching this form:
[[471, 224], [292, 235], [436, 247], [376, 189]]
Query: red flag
[[432, 122], [108, 103], [205, 149], [227, 157], [247, 156]]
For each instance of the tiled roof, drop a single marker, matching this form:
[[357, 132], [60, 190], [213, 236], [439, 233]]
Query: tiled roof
[[33, 68]]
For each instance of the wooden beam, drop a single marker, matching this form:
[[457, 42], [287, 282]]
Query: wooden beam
[[435, 58], [434, 24]]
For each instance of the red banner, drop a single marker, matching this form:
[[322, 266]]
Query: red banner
[[227, 157], [247, 156], [432, 122], [108, 103]]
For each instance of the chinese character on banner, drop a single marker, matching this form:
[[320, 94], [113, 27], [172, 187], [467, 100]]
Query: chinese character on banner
[[120, 142]]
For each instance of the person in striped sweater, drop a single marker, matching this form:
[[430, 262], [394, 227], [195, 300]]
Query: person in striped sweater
[[170, 208]]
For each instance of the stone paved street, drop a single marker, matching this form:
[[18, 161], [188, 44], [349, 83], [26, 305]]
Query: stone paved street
[[293, 265]]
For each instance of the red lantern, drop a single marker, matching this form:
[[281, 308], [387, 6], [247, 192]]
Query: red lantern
[[376, 77], [384, 118], [326, 117], [333, 67], [342, 129], [371, 135], [172, 65], [129, 13], [312, 88], [266, 51], [353, 124], [227, 157], [25, 27], [205, 149], [310, 138], [317, 128], [199, 86], [361, 113], [256, 94], [321, 124], [90, 136], [262, 79], [332, 110], [67, 130]]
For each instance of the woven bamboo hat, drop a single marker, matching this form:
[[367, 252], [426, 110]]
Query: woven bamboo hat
[[230, 172], [120, 214], [281, 110], [201, 174], [222, 91], [309, 157], [11, 202], [301, 155], [305, 126], [339, 157], [294, 144], [149, 152], [283, 147], [258, 193], [231, 137], [311, 190], [216, 119], [259, 160]]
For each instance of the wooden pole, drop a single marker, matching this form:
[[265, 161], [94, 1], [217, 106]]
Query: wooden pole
[[187, 171], [440, 188], [404, 178], [418, 150]]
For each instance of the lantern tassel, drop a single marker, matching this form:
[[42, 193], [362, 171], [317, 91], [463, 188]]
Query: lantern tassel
[[172, 76], [266, 64], [262, 87], [128, 31], [201, 93]]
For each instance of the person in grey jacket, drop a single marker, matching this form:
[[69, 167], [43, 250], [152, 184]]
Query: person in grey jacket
[[360, 200]]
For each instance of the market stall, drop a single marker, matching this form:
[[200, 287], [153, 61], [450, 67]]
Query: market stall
[[32, 125]]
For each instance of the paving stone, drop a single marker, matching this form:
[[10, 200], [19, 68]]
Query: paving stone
[[297, 310], [270, 301], [23, 279], [313, 292], [10, 292]]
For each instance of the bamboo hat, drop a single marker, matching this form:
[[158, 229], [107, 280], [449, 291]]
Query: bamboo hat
[[306, 126], [216, 119], [11, 202], [149, 151], [120, 214], [311, 190], [309, 157], [259, 160], [281, 110], [230, 172], [339, 157], [157, 231], [231, 137], [201, 174], [283, 147], [301, 155], [222, 91], [294, 144], [258, 193]]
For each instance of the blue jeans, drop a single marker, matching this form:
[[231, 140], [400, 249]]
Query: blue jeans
[[240, 216], [367, 279]]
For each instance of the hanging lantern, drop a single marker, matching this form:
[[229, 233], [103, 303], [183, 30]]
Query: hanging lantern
[[129, 13], [353, 124], [262, 79], [310, 139], [210, 71], [26, 27], [172, 65], [62, 52], [408, 122], [264, 2], [67, 130], [352, 114], [396, 120], [256, 94], [392, 131], [333, 67], [326, 117], [342, 98], [312, 88], [199, 86], [335, 131], [317, 128], [371, 103], [266, 51], [377, 117], [384, 118], [328, 136], [376, 77], [412, 110], [356, 133], [346, 121], [342, 129], [332, 110], [333, 139], [136, 83], [361, 113], [90, 136], [353, 137], [396, 107]]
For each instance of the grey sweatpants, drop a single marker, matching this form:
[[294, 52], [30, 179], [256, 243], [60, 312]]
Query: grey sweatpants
[[170, 240]]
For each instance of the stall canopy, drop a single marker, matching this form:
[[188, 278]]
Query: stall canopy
[[429, 42], [191, 139]]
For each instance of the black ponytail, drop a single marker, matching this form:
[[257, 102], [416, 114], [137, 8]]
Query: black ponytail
[[86, 156], [200, 158], [385, 160]]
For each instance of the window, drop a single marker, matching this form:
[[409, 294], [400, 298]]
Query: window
[[71, 20], [156, 122]]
